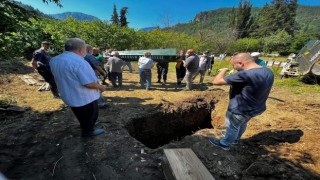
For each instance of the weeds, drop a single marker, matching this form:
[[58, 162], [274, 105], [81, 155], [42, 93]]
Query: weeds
[[6, 100]]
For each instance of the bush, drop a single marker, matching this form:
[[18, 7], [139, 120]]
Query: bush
[[245, 45]]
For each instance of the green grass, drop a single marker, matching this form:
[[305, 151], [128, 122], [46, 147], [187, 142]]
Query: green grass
[[6, 100]]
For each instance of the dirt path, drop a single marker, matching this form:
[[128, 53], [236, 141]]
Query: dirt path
[[44, 142]]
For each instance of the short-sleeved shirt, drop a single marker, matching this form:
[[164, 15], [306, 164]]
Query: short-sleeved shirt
[[99, 57], [92, 61], [115, 64], [71, 73], [249, 90], [203, 63], [261, 62], [145, 63], [42, 57], [192, 63]]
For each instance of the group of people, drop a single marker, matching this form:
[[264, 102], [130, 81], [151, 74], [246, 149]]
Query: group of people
[[188, 66], [72, 77]]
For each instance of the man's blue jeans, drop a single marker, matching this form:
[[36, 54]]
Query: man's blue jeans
[[145, 77], [236, 125]]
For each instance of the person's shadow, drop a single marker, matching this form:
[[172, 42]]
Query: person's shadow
[[268, 155]]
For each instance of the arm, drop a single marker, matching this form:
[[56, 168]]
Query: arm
[[34, 64], [218, 80], [100, 70], [36, 57], [95, 85]]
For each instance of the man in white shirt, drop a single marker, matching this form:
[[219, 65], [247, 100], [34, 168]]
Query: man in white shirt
[[145, 64]]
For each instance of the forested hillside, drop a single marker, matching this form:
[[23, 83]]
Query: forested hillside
[[307, 20], [220, 31], [76, 15]]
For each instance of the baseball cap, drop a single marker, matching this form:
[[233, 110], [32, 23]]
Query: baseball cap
[[255, 54], [45, 42], [114, 53]]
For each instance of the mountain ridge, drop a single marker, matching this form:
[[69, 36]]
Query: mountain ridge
[[217, 20], [76, 15]]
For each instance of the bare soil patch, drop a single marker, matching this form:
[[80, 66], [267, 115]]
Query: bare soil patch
[[44, 141]]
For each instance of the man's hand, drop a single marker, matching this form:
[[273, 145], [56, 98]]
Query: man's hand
[[223, 69], [102, 88]]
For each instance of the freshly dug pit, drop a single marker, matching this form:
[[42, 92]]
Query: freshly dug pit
[[171, 121]]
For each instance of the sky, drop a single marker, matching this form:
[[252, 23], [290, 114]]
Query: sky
[[146, 13]]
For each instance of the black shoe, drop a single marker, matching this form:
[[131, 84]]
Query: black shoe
[[103, 106], [95, 132], [56, 97], [218, 144], [158, 81]]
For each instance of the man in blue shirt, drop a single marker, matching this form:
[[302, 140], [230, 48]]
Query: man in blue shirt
[[77, 84], [249, 90], [96, 66]]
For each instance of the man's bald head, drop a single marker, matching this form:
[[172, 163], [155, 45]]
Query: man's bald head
[[244, 57], [242, 61]]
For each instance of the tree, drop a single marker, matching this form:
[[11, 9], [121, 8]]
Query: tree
[[54, 1], [279, 41], [280, 15], [241, 20], [115, 17], [123, 17]]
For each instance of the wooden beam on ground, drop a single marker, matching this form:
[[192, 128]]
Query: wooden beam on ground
[[183, 164], [29, 80]]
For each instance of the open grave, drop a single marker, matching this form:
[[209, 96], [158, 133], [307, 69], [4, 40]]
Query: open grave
[[171, 122]]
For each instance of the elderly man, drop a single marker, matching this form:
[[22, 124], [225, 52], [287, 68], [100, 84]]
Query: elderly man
[[261, 62], [78, 85], [115, 67], [249, 90], [40, 62], [191, 64], [204, 64], [145, 64]]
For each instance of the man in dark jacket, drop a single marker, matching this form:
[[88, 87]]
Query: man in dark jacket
[[40, 62]]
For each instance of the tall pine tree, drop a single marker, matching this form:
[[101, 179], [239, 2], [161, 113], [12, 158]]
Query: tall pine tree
[[241, 20], [123, 17], [280, 15], [115, 17]]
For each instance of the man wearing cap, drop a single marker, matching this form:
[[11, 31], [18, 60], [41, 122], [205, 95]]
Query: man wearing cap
[[40, 62], [261, 62], [204, 64], [115, 67]]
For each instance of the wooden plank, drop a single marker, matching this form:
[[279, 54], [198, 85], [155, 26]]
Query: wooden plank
[[29, 80], [183, 164]]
